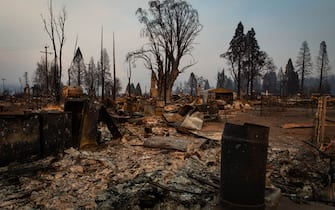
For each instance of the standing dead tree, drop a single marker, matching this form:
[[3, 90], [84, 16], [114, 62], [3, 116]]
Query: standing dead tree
[[171, 27], [304, 64], [55, 28], [322, 63]]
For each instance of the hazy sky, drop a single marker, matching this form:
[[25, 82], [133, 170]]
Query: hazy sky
[[281, 26]]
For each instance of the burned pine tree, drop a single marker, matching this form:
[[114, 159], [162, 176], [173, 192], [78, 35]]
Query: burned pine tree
[[77, 69], [220, 79], [235, 55], [292, 79], [138, 90], [322, 63], [245, 59], [254, 61], [171, 27], [192, 83]]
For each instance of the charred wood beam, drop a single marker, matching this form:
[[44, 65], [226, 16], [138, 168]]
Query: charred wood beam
[[110, 122]]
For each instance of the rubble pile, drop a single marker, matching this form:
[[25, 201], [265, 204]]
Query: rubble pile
[[159, 163], [300, 173], [122, 174]]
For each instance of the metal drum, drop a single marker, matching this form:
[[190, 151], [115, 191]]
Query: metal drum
[[243, 166]]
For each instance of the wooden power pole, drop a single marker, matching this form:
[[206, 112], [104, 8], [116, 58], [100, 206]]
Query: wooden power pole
[[46, 67], [102, 68], [114, 85]]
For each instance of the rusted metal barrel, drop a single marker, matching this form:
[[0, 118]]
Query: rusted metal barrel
[[243, 166]]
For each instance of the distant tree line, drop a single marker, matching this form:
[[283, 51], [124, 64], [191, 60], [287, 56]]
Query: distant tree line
[[254, 71], [80, 74], [298, 79], [286, 82]]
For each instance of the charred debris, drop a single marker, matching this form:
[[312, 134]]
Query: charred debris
[[140, 153]]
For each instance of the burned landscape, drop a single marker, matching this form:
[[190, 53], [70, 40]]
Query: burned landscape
[[160, 165], [199, 106]]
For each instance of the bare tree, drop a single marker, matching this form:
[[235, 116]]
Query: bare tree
[[55, 28], [171, 27], [61, 37]]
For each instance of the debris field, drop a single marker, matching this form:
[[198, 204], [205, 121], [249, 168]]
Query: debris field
[[159, 163]]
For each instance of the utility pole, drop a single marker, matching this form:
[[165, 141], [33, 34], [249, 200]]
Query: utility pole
[[46, 67], [114, 85], [102, 68], [129, 76]]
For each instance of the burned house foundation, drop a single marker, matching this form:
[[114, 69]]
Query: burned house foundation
[[48, 132], [28, 135]]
